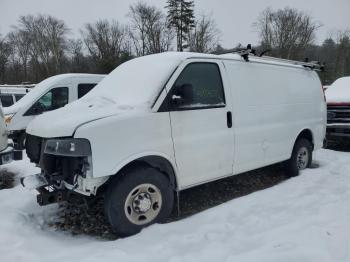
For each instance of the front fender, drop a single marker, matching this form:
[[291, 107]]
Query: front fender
[[118, 140]]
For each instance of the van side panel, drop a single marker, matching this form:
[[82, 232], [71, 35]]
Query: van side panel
[[272, 105]]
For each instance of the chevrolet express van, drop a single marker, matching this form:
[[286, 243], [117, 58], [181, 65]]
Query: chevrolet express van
[[163, 123], [52, 93]]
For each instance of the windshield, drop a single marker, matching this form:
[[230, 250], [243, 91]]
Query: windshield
[[137, 82]]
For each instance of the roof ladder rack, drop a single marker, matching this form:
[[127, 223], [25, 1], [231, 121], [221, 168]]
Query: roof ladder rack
[[245, 52], [314, 65]]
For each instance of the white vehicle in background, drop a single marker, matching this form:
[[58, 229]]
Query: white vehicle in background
[[10, 94], [50, 94], [338, 110], [7, 153], [176, 120]]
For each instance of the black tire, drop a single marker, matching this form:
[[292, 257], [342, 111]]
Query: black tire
[[293, 165], [118, 195]]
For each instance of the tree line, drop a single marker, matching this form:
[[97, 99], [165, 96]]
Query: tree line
[[38, 46]]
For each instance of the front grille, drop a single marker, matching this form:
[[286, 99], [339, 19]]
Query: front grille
[[338, 114], [33, 148]]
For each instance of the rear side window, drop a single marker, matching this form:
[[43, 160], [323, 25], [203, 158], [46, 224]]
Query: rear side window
[[18, 97], [6, 100], [201, 86], [83, 89]]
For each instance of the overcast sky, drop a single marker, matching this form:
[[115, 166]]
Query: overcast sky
[[233, 17]]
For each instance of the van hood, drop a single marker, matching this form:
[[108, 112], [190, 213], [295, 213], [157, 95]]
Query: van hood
[[64, 121]]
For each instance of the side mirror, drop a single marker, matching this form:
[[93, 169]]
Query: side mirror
[[182, 95], [38, 108]]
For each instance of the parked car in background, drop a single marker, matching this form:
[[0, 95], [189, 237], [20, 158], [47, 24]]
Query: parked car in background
[[338, 110], [7, 153], [10, 94], [50, 94], [175, 121]]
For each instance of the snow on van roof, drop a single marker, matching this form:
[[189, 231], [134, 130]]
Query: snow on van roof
[[41, 88], [339, 91]]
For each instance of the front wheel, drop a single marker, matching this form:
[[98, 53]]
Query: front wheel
[[139, 197], [301, 157]]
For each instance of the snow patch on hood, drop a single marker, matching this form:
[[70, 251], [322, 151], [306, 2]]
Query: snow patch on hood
[[339, 91], [64, 121]]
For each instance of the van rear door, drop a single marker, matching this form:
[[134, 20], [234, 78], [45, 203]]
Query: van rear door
[[201, 122]]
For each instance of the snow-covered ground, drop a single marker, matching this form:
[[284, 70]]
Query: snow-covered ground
[[306, 218]]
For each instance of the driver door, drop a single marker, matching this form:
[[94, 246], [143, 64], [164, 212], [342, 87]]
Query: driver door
[[201, 122]]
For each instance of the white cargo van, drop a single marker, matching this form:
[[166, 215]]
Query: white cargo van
[[50, 94], [7, 153], [162, 123], [10, 94]]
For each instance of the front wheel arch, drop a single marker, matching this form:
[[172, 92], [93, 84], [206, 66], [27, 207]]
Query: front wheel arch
[[161, 163]]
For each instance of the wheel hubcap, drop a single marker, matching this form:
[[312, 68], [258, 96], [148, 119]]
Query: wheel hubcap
[[143, 204], [302, 158]]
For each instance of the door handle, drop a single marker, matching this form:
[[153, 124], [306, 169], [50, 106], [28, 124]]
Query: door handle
[[229, 119]]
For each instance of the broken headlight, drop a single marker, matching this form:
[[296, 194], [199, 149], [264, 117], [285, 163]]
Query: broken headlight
[[76, 147]]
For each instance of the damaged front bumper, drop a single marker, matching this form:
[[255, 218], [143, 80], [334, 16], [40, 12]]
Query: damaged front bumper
[[66, 168], [45, 196], [50, 193]]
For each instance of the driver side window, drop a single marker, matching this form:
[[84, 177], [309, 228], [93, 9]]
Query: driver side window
[[199, 86], [54, 99]]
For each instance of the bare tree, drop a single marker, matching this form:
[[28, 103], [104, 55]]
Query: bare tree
[[46, 36], [342, 60], [76, 56], [286, 31], [148, 30], [5, 52], [20, 42], [205, 36], [105, 42]]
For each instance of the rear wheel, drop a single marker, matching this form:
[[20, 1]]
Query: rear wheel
[[301, 157], [139, 197]]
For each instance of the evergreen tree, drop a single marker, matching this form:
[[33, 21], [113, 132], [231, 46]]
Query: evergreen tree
[[181, 18]]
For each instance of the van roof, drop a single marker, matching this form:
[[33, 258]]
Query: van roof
[[235, 57], [73, 75]]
